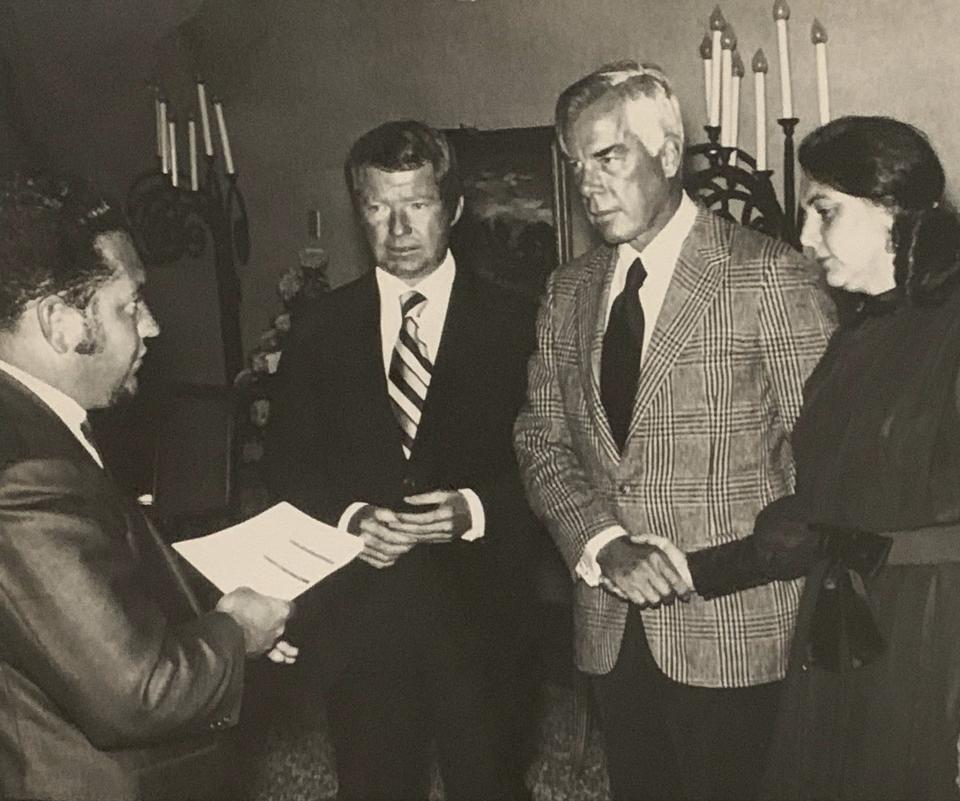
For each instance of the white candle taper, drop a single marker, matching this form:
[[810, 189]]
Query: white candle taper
[[204, 118], [224, 139], [172, 137], [760, 67], [781, 13], [735, 103], [192, 135], [164, 150], [818, 35], [706, 53], [717, 24], [729, 42]]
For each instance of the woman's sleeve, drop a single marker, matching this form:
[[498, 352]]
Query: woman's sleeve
[[781, 547]]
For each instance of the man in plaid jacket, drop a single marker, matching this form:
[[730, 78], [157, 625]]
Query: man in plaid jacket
[[683, 433]]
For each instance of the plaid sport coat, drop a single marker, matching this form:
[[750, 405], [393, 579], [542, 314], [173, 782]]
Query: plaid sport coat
[[744, 321]]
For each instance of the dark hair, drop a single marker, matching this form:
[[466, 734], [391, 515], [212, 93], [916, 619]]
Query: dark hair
[[406, 145], [48, 229], [893, 164]]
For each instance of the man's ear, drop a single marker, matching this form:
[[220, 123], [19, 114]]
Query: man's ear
[[457, 212], [671, 156], [62, 325]]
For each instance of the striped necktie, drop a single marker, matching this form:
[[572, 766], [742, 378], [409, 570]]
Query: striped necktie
[[409, 371]]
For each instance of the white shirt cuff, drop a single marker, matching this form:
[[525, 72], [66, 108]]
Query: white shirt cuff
[[344, 523], [587, 567], [478, 518]]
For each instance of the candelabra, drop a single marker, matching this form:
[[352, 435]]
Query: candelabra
[[171, 221], [746, 196]]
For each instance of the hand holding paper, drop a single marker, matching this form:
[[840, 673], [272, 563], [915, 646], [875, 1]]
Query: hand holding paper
[[281, 552]]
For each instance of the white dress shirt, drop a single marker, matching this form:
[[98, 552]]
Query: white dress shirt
[[63, 406], [659, 260], [436, 289]]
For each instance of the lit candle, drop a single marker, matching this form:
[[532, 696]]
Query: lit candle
[[818, 35], [172, 132], [164, 150], [781, 13], [735, 114], [706, 52], [729, 42], [192, 135], [224, 139], [204, 117], [759, 65], [717, 24]]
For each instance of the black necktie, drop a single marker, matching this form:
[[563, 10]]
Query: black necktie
[[87, 431], [620, 362]]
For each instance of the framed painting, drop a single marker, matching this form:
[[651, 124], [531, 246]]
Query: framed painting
[[519, 219]]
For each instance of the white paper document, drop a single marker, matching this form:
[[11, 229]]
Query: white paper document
[[281, 552]]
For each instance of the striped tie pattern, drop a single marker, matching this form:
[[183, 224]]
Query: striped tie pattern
[[410, 369]]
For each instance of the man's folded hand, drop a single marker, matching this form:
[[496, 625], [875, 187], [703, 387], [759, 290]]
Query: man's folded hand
[[641, 572], [383, 542]]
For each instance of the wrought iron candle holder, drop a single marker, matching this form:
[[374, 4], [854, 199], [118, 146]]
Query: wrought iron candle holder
[[172, 222], [789, 125], [723, 185]]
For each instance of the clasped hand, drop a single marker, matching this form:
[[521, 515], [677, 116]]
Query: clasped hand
[[644, 569], [387, 534]]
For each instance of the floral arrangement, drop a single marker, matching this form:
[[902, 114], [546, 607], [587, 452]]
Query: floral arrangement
[[300, 283]]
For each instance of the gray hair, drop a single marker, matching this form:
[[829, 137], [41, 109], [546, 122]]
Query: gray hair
[[644, 90]]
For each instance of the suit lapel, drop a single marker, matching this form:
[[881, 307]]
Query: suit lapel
[[50, 437], [50, 432], [455, 339], [592, 295], [699, 272], [363, 344]]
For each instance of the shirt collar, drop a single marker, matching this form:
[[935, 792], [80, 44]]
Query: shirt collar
[[61, 404], [435, 286], [664, 249]]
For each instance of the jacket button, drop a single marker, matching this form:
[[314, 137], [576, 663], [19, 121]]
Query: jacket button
[[409, 486]]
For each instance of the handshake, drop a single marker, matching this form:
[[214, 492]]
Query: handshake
[[645, 569]]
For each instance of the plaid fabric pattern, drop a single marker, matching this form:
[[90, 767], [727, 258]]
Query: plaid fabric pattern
[[743, 323]]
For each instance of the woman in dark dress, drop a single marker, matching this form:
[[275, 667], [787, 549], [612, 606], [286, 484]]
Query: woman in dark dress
[[871, 704]]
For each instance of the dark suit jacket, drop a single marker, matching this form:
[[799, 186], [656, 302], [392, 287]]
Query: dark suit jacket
[[333, 440], [111, 685]]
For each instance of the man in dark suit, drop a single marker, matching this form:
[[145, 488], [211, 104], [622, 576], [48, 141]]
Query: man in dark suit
[[397, 397], [112, 684], [668, 375]]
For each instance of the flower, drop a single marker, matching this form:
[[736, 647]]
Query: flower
[[304, 282], [269, 340], [273, 361], [291, 282], [260, 412], [282, 322]]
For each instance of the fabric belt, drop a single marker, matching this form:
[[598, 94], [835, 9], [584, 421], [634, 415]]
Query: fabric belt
[[925, 546], [843, 632]]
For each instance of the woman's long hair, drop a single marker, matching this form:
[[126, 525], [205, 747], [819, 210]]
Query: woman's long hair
[[894, 165]]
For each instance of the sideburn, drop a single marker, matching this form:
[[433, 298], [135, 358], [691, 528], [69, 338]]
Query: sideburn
[[92, 341]]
